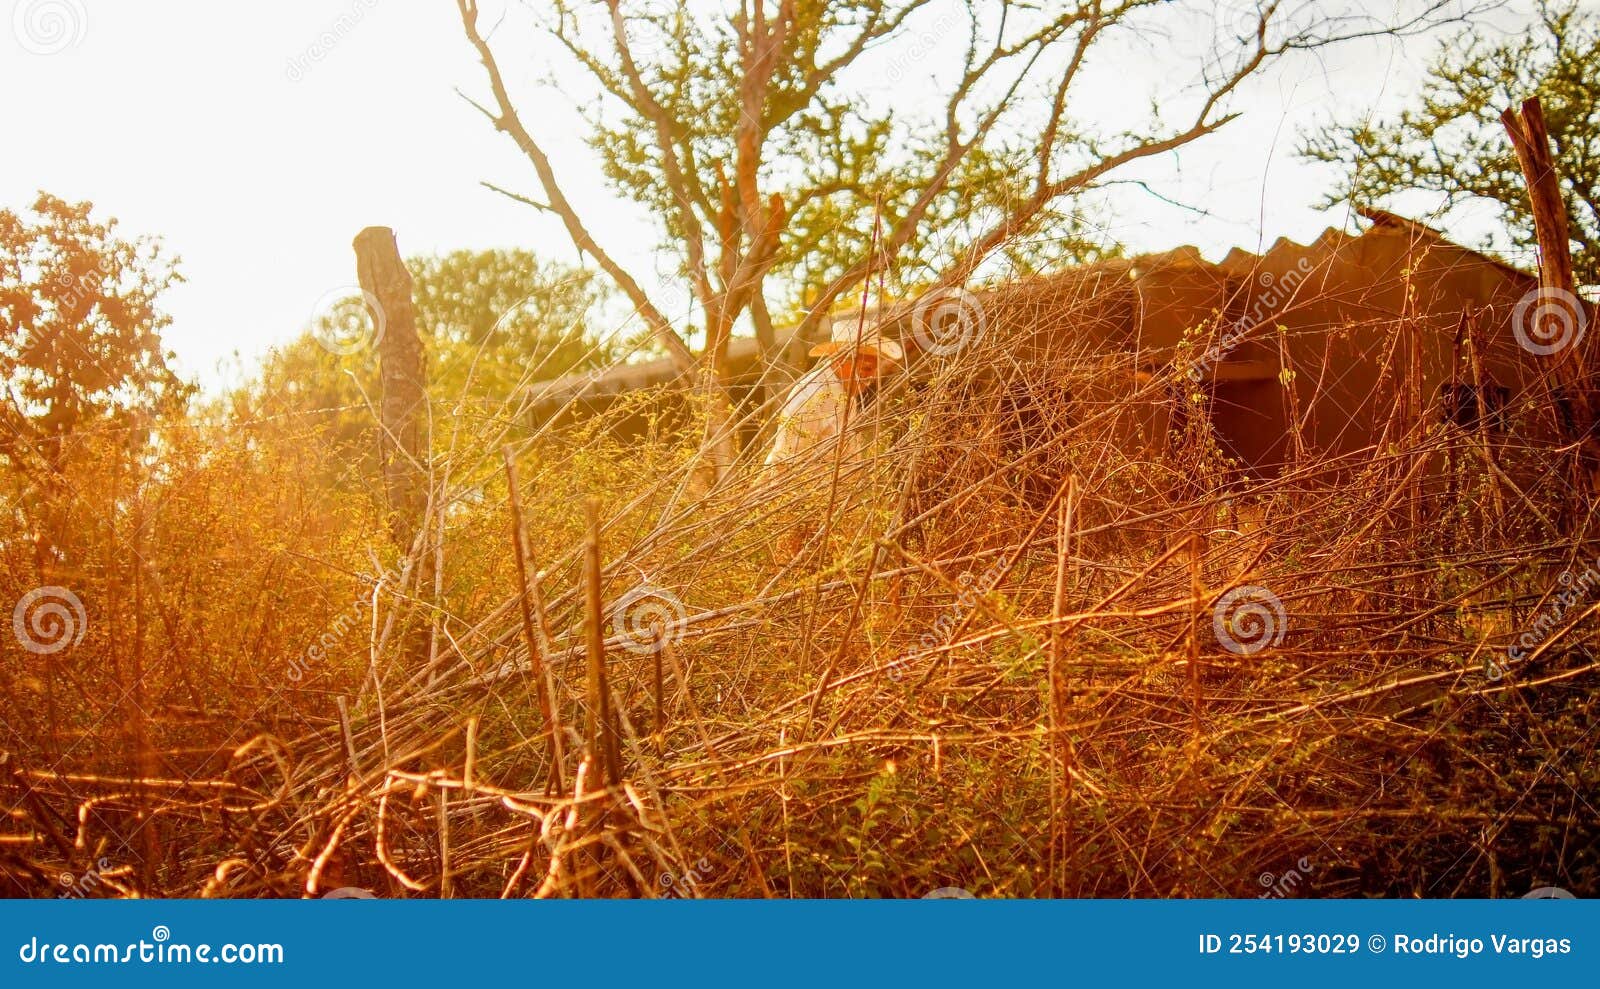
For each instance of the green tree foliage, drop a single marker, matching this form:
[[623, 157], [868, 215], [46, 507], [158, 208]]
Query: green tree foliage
[[492, 323], [80, 330], [495, 321], [1450, 141]]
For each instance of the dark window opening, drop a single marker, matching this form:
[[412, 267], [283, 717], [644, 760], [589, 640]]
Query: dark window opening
[[1566, 410], [1465, 406]]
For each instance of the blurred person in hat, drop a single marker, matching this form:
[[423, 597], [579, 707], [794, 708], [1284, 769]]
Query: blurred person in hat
[[820, 403]]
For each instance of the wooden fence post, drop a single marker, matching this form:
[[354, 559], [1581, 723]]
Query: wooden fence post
[[1530, 138], [403, 379], [601, 735]]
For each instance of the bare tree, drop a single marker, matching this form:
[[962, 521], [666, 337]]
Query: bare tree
[[736, 124]]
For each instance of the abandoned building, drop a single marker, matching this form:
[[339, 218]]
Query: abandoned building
[[1301, 350]]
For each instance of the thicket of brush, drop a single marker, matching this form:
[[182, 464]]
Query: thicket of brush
[[978, 652]]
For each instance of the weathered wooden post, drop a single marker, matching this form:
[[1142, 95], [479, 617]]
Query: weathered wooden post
[[402, 439], [402, 411], [601, 737], [1559, 312]]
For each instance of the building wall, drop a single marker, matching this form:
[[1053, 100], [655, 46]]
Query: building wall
[[1325, 348]]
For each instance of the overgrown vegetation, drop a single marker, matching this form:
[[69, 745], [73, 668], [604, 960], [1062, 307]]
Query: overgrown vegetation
[[868, 694], [997, 646]]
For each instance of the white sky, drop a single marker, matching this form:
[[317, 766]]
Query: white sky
[[183, 118]]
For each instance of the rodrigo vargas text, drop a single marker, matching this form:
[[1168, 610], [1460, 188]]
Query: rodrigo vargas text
[[1464, 947]]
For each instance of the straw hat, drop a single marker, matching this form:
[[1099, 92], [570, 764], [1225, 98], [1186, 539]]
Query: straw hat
[[845, 333]]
